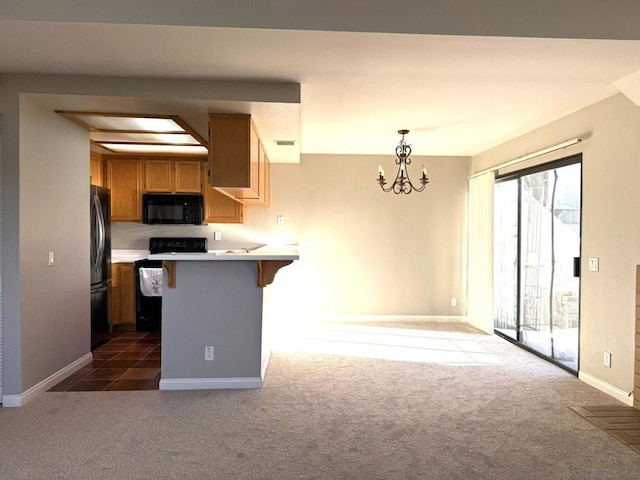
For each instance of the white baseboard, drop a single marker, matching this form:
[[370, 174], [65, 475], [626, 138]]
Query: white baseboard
[[209, 383], [388, 318], [604, 387], [47, 383]]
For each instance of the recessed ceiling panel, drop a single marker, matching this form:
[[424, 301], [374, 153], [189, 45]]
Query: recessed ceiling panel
[[130, 123], [161, 138], [146, 148], [131, 133]]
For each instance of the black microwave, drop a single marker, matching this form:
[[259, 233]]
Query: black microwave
[[172, 209]]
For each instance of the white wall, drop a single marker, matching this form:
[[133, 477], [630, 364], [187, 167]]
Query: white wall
[[610, 225], [54, 216], [362, 251]]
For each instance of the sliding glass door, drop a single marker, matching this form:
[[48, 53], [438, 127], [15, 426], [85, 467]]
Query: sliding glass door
[[536, 260]]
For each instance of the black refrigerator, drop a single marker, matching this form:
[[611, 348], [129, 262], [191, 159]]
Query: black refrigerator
[[100, 200]]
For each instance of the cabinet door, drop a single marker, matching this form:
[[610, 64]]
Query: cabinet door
[[124, 178], [126, 294], [219, 208], [158, 176], [188, 177], [95, 168], [267, 181], [255, 153], [237, 159], [114, 300]]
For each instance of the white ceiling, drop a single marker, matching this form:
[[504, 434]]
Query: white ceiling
[[459, 95]]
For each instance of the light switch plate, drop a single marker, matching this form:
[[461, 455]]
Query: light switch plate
[[594, 264]]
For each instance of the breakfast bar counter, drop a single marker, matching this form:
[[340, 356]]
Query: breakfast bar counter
[[212, 317]]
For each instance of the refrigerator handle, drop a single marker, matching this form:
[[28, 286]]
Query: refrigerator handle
[[99, 240]]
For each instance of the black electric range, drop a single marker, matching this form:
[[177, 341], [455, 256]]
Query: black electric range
[[149, 308]]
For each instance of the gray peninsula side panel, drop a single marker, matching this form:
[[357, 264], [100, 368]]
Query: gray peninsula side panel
[[214, 304]]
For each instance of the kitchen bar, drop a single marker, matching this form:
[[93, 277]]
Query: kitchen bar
[[213, 334]]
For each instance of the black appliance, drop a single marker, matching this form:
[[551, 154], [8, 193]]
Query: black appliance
[[100, 258], [172, 209], [149, 307]]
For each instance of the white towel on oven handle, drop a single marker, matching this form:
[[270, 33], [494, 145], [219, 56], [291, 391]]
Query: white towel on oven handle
[[151, 282]]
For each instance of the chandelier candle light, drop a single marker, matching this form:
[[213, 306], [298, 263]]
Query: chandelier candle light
[[402, 184]]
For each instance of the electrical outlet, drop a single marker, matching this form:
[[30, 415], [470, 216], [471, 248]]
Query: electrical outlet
[[217, 235], [208, 353], [607, 359], [454, 302], [594, 264], [280, 219]]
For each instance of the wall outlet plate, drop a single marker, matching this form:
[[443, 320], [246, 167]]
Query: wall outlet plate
[[217, 235], [208, 353], [607, 359], [594, 264]]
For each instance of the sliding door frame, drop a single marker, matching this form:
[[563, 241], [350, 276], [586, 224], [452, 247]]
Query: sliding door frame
[[517, 175]]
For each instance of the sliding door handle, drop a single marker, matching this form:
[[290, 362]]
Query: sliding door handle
[[576, 267]]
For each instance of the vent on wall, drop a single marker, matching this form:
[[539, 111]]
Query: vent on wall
[[285, 143]]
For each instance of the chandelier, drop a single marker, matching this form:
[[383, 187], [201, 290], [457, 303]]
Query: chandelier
[[402, 184]]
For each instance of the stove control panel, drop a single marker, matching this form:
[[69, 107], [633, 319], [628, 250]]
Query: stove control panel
[[178, 244]]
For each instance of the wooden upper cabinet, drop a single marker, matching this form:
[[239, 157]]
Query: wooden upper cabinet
[[265, 176], [124, 178], [95, 168], [235, 162], [158, 176], [267, 188], [188, 177], [173, 176], [220, 208]]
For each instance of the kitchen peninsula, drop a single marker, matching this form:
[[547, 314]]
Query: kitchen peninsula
[[215, 299]]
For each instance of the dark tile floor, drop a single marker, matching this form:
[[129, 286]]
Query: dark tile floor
[[129, 361]]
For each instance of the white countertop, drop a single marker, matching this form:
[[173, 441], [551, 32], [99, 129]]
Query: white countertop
[[128, 256], [267, 252]]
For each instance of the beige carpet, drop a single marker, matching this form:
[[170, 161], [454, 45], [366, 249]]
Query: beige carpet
[[447, 405]]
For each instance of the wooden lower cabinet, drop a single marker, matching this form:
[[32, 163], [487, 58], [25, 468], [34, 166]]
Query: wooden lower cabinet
[[123, 295]]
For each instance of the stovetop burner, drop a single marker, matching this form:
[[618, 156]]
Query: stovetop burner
[[178, 244]]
